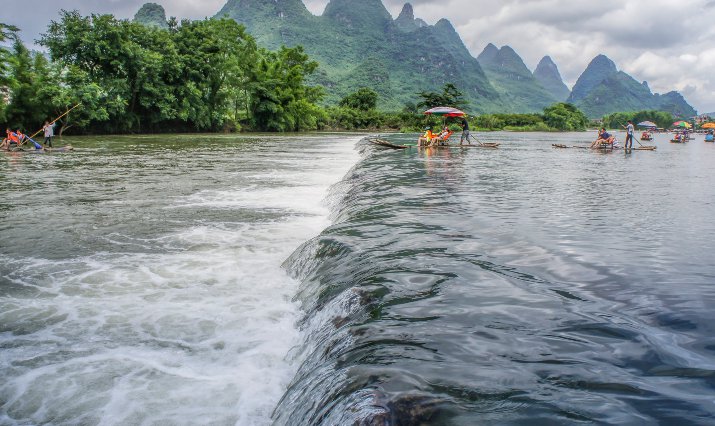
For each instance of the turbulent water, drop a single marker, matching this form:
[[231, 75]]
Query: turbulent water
[[141, 279], [149, 282]]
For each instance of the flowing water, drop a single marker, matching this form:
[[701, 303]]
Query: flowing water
[[225, 281], [141, 279]]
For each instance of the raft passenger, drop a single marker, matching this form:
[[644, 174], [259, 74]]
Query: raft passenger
[[426, 139], [603, 138], [443, 137], [11, 139]]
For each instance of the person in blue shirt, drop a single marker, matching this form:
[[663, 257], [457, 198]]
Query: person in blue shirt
[[603, 138]]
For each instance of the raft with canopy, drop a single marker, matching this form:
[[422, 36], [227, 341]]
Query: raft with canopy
[[449, 112]]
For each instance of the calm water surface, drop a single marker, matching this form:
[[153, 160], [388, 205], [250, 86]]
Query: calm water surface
[[164, 282]]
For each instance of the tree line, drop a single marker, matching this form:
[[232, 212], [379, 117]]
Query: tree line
[[194, 76], [617, 120]]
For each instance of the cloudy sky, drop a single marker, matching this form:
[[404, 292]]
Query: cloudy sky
[[669, 43]]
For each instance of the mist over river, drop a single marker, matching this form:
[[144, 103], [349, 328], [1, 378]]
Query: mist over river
[[319, 280]]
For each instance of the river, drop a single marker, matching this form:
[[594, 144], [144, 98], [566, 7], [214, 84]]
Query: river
[[313, 279]]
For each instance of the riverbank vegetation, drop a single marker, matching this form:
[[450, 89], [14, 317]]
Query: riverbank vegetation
[[195, 76], [617, 120]]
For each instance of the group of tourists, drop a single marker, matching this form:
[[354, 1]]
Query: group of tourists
[[681, 137], [16, 139], [429, 138], [607, 140], [434, 139]]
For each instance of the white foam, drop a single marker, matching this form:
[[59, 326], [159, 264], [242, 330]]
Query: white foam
[[196, 331]]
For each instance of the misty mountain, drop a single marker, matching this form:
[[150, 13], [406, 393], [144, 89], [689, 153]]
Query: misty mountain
[[548, 75], [514, 82], [152, 14], [358, 44]]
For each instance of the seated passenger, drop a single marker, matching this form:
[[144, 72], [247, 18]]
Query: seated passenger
[[442, 138], [426, 139], [12, 139], [603, 138]]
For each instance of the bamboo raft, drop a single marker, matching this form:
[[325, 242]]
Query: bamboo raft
[[46, 150], [385, 144], [492, 145], [640, 148]]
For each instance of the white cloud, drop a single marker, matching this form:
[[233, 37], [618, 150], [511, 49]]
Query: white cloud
[[661, 41]]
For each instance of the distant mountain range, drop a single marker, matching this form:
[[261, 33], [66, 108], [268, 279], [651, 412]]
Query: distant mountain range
[[602, 89], [359, 44]]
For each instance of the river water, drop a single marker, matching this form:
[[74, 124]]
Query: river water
[[313, 279]]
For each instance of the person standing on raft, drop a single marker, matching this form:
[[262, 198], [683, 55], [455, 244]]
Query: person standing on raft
[[49, 129], [465, 131], [629, 135]]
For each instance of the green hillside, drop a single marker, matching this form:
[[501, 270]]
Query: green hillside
[[602, 90], [514, 82], [357, 43]]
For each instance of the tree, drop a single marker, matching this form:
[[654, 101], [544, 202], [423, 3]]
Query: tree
[[618, 119], [135, 65], [25, 105], [279, 98], [364, 99], [7, 32], [450, 97], [216, 56], [565, 116]]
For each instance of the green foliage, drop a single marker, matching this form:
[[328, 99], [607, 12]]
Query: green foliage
[[279, 95], [557, 117], [565, 117], [449, 97], [365, 99], [26, 69], [7, 33], [618, 119], [203, 76], [358, 45], [502, 121]]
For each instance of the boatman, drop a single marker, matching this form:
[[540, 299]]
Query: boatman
[[49, 129], [465, 131], [629, 135]]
